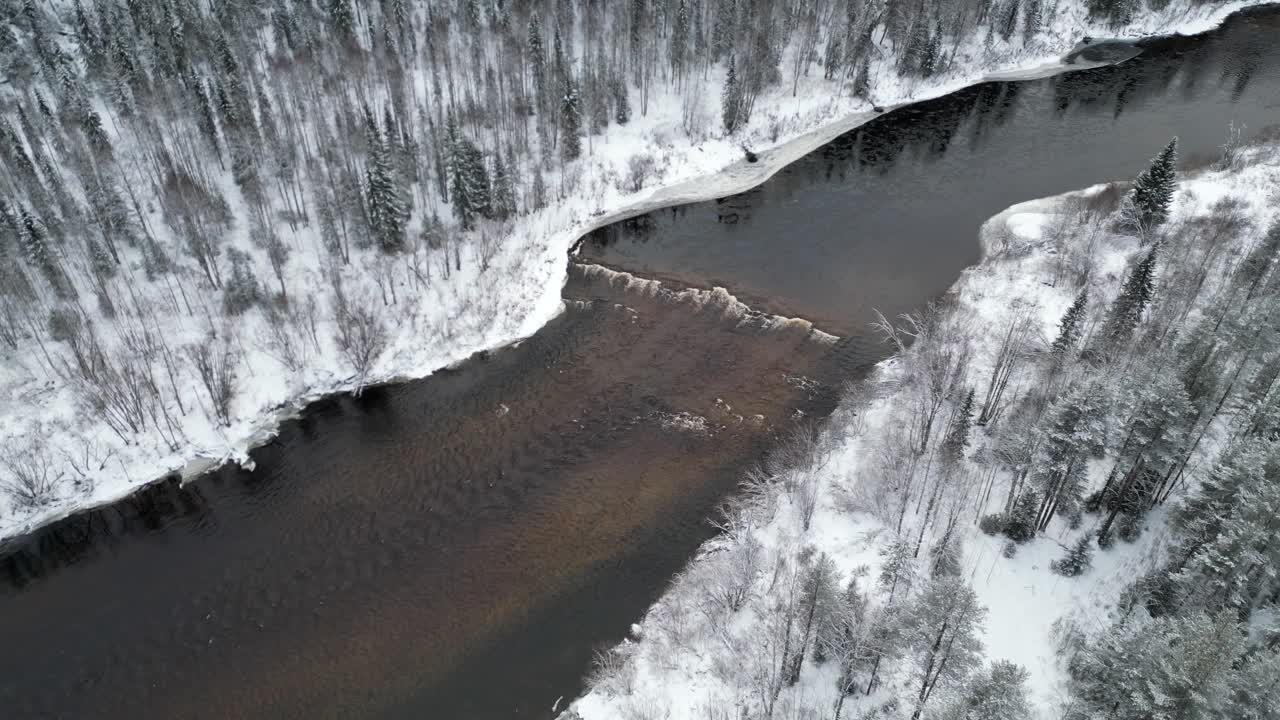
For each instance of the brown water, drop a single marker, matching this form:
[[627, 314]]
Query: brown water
[[378, 560], [456, 547]]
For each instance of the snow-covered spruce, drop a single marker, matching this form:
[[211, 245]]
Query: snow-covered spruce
[[1070, 392], [213, 212]]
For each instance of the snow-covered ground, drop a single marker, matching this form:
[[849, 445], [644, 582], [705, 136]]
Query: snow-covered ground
[[442, 321], [686, 660]]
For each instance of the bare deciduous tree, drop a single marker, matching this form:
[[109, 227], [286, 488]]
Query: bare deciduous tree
[[215, 362], [1012, 350], [29, 476], [614, 670], [361, 334], [731, 574]]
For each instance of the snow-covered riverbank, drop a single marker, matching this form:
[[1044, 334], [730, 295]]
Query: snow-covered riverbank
[[696, 655], [471, 310]]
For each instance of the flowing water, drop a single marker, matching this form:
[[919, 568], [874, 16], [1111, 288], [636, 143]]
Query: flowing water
[[457, 547], [884, 216]]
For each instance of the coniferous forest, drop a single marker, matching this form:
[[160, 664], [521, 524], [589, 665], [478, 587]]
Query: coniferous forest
[[209, 209], [1073, 461]]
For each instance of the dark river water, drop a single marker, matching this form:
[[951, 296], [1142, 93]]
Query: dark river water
[[885, 216], [457, 547]]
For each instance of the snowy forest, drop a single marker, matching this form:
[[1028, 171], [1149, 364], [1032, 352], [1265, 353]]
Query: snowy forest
[[210, 210], [1060, 499]]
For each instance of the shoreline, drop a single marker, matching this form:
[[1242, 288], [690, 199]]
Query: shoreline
[[734, 178], [673, 651]]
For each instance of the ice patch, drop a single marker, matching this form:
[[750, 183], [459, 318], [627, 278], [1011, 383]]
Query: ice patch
[[682, 422], [717, 299]]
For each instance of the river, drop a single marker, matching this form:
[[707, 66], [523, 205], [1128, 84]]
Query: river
[[457, 547]]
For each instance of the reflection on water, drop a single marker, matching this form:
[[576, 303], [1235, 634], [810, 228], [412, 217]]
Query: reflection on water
[[883, 216], [413, 547], [457, 547]]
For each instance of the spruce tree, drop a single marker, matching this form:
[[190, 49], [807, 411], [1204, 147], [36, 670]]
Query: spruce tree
[[178, 64], [958, 437], [731, 98], [913, 54], [514, 179], [862, 80], [600, 97], [1070, 327], [16, 153], [70, 91], [621, 104], [233, 84], [570, 122], [478, 179], [1034, 18], [1159, 419], [342, 21], [471, 11], [1255, 694], [10, 228], [122, 62], [1126, 312], [285, 27], [387, 212], [109, 210], [1169, 667], [456, 160], [833, 57], [558, 63], [945, 557], [96, 134], [680, 37], [537, 61], [241, 291], [90, 42], [501, 19], [636, 38], [1199, 517], [32, 126], [931, 56], [41, 256], [538, 192], [205, 120], [898, 571], [394, 142], [372, 133], [1020, 525], [1073, 429], [1009, 19], [469, 190], [1117, 12], [1259, 263], [999, 693], [1077, 560], [943, 637], [1153, 190], [121, 96], [504, 203], [1230, 532], [267, 120], [228, 109], [722, 29]]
